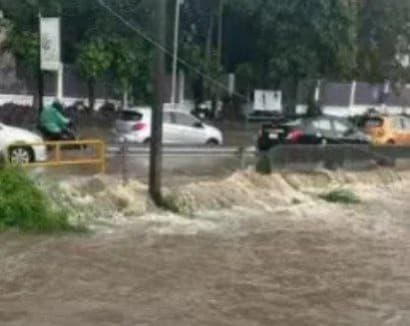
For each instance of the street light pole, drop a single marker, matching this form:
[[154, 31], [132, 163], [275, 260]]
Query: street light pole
[[178, 4]]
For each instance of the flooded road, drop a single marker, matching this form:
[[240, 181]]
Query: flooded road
[[308, 264]]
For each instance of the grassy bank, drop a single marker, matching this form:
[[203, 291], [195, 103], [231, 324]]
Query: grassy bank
[[26, 208]]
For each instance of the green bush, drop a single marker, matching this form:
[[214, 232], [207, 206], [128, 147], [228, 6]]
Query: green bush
[[341, 196], [25, 207]]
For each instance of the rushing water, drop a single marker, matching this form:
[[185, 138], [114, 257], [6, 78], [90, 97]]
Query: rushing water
[[309, 264]]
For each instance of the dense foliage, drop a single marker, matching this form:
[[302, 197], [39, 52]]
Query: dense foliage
[[268, 43], [24, 207]]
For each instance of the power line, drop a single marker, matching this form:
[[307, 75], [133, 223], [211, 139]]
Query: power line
[[151, 40]]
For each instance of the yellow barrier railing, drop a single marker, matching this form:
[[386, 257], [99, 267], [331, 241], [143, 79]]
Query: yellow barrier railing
[[57, 149]]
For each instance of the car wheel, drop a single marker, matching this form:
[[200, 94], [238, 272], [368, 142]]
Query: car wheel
[[147, 141], [21, 155], [212, 142], [391, 142]]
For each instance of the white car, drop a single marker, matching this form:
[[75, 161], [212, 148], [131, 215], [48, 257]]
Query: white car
[[15, 144], [134, 126]]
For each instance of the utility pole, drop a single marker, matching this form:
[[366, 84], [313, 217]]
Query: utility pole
[[220, 30], [219, 48], [178, 4], [155, 179]]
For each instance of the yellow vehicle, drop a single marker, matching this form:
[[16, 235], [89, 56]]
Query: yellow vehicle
[[388, 130]]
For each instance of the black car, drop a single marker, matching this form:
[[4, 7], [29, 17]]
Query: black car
[[313, 131]]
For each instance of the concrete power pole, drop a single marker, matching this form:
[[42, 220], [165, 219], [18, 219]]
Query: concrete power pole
[[155, 179]]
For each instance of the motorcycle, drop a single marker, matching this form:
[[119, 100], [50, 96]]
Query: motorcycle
[[69, 134]]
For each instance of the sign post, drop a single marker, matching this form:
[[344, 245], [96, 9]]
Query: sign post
[[40, 72], [50, 50]]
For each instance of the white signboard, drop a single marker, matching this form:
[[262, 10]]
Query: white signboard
[[266, 100], [50, 44]]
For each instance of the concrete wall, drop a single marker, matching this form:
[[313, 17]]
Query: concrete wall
[[345, 111], [28, 100]]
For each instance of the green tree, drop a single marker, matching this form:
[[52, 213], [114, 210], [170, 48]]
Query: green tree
[[93, 61], [23, 45], [384, 38], [198, 46], [298, 39], [130, 66], [245, 78]]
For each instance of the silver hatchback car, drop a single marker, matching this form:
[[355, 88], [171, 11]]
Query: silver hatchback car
[[134, 126]]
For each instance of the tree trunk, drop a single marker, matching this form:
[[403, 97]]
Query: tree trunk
[[91, 96]]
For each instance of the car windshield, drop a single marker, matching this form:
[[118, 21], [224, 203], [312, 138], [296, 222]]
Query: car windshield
[[373, 123], [130, 116], [294, 123]]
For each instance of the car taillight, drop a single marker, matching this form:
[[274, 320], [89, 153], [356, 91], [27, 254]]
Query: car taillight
[[294, 136], [139, 126]]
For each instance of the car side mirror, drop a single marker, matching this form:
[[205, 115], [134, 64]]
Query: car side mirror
[[198, 124]]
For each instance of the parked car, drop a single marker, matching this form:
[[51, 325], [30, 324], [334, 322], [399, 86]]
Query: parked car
[[15, 143], [388, 130], [314, 131], [134, 126]]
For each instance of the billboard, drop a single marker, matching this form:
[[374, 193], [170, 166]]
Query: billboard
[[50, 44], [266, 100]]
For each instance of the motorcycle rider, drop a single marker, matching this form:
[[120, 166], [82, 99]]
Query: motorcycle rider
[[54, 124]]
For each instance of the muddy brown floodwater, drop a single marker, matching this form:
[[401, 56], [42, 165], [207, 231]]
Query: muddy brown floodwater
[[309, 264]]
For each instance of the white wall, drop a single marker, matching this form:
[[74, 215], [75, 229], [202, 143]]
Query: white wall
[[362, 109], [345, 111], [186, 106], [67, 101]]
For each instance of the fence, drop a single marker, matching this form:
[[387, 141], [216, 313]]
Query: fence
[[293, 157], [70, 153]]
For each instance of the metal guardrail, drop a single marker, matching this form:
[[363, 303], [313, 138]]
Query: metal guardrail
[[56, 150], [171, 150], [394, 152], [336, 155], [127, 151]]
